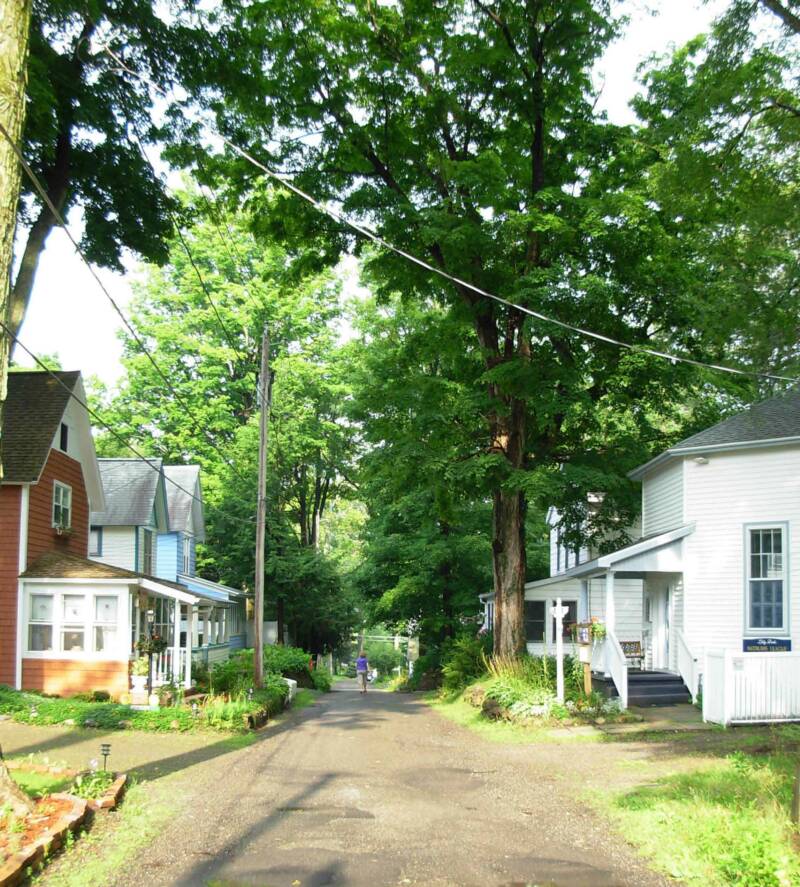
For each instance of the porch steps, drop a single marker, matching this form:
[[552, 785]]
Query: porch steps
[[647, 687]]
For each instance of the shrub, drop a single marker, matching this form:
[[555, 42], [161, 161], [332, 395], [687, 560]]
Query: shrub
[[322, 680], [427, 671], [234, 675], [464, 660], [92, 785], [201, 675], [282, 660], [383, 656]]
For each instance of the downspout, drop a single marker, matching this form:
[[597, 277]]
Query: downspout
[[22, 565]]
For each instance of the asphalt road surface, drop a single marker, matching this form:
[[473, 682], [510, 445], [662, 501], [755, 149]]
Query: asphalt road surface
[[380, 790]]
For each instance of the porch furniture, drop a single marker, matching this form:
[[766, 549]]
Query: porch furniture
[[632, 651]]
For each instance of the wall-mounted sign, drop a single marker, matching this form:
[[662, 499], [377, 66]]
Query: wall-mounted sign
[[767, 645]]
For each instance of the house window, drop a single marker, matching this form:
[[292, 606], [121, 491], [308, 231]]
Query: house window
[[62, 505], [40, 623], [95, 541], [767, 579], [64, 623], [569, 620], [105, 623], [187, 555], [147, 552], [534, 622], [63, 440], [73, 619]]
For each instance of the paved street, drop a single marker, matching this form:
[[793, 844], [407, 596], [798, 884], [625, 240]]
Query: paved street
[[380, 790]]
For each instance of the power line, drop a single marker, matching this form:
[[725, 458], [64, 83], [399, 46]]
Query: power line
[[120, 439], [61, 221], [189, 255], [377, 239]]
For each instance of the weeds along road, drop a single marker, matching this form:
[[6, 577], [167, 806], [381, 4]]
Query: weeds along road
[[380, 790]]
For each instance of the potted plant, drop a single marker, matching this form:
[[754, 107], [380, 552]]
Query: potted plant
[[140, 671]]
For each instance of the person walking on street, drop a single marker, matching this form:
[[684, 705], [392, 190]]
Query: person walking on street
[[362, 667]]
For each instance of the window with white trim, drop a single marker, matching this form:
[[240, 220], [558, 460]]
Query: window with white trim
[[187, 555], [68, 624], [147, 552], [534, 622], [62, 505], [40, 623], [767, 579], [105, 622], [567, 622], [95, 541], [73, 623]]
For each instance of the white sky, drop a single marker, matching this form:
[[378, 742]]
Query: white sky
[[69, 316]]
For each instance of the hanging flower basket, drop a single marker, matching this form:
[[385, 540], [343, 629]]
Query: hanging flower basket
[[151, 645]]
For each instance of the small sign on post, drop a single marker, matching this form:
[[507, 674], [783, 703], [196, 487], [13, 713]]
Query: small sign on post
[[583, 634], [558, 612]]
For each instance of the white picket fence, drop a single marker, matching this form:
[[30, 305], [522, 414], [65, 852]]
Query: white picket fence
[[740, 688]]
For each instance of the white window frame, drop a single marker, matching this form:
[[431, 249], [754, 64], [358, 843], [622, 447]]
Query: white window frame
[[550, 624], [761, 631], [60, 491], [148, 534], [99, 531], [186, 555], [87, 625]]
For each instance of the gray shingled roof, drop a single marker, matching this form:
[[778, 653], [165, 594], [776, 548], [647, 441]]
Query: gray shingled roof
[[773, 419], [130, 489], [180, 478], [34, 407]]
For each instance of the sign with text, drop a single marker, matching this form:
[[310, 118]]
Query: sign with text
[[767, 645]]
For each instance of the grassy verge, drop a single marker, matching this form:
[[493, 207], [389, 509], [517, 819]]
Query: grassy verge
[[720, 820], [456, 709], [304, 698], [216, 713], [39, 784]]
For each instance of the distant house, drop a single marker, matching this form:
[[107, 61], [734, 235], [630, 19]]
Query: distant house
[[152, 520], [222, 622], [701, 600]]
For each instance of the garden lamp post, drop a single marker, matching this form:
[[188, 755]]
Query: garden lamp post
[[105, 751], [151, 618]]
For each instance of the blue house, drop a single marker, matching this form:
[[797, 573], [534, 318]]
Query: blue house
[[221, 626]]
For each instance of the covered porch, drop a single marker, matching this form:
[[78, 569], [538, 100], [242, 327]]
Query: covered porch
[[636, 595]]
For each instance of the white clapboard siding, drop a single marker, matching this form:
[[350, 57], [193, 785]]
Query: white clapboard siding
[[662, 499], [723, 496], [118, 548], [628, 597], [567, 590]]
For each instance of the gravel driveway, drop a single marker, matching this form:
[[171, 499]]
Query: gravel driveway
[[380, 790]]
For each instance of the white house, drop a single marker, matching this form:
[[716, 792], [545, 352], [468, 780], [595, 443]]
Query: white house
[[705, 591]]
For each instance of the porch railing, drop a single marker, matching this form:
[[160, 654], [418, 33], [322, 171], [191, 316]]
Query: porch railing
[[616, 665], [743, 688], [166, 669], [687, 664]]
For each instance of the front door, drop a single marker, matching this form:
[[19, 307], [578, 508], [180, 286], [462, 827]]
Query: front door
[[659, 615]]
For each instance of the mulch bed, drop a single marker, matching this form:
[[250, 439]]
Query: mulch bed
[[44, 831]]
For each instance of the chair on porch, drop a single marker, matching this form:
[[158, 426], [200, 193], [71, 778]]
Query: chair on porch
[[633, 652]]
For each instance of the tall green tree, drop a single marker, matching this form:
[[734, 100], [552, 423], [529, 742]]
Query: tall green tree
[[201, 315], [466, 132], [82, 124]]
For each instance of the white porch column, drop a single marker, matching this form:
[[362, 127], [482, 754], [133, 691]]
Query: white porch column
[[176, 642], [611, 610], [191, 636]]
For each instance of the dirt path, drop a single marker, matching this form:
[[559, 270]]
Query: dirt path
[[380, 790]]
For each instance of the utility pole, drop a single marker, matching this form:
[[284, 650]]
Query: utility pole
[[265, 401]]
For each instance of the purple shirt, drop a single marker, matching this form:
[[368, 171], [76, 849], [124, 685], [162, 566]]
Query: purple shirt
[[361, 664]]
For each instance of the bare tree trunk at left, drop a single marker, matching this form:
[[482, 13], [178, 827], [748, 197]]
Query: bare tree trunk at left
[[15, 17], [12, 795]]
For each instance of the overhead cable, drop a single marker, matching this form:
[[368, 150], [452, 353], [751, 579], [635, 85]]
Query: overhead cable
[[410, 257]]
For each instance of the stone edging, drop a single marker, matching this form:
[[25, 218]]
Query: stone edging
[[28, 767], [111, 796], [14, 869]]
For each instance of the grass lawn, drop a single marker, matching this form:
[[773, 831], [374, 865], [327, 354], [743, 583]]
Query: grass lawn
[[716, 813], [461, 712], [39, 784], [303, 698]]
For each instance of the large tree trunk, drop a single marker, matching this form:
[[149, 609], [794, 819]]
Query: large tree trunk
[[15, 16], [509, 558], [12, 795]]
